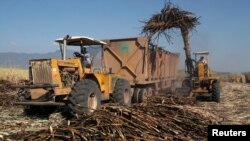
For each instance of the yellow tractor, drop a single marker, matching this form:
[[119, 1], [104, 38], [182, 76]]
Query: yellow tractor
[[200, 79], [81, 82]]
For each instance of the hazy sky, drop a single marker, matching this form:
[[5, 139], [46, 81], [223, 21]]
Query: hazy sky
[[30, 26]]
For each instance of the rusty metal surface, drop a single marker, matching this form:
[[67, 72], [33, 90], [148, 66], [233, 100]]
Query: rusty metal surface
[[40, 103], [41, 71], [140, 63], [35, 86], [62, 91], [38, 93]]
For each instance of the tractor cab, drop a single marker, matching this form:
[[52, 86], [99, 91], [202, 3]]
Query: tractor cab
[[89, 51], [201, 67], [201, 56]]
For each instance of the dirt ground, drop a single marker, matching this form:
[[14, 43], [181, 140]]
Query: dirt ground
[[234, 108], [15, 121]]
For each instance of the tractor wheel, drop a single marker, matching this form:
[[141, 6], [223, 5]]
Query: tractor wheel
[[143, 95], [149, 92], [216, 92], [135, 97], [85, 97], [122, 92]]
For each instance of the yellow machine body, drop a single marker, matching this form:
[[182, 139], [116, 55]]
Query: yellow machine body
[[58, 68], [203, 79]]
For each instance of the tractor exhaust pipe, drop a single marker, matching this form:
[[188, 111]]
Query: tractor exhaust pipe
[[65, 46]]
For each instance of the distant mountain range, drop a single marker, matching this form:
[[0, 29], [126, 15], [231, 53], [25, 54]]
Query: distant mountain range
[[21, 60]]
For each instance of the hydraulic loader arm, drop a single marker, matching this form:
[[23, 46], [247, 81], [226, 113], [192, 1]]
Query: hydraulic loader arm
[[189, 62]]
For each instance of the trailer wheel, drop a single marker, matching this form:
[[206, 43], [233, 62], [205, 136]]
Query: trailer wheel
[[149, 91], [216, 92], [142, 95], [135, 98], [122, 92], [85, 97], [173, 87]]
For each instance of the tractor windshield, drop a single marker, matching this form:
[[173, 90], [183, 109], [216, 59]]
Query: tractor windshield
[[87, 48], [93, 57], [202, 57]]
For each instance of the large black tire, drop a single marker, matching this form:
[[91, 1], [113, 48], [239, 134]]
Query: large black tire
[[143, 95], [150, 92], [85, 97], [173, 87], [216, 91], [135, 97], [122, 92]]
